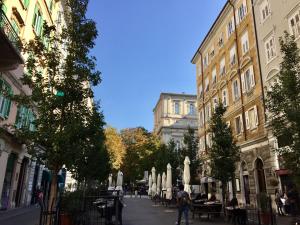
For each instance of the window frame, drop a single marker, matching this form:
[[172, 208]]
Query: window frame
[[270, 51], [245, 42]]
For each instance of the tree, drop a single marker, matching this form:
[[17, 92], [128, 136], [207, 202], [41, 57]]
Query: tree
[[140, 146], [61, 80], [115, 147], [283, 104], [191, 149], [224, 153]]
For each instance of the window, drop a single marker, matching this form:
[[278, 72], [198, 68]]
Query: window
[[191, 108], [201, 118], [221, 41], [25, 119], [215, 103], [294, 23], [248, 81], [205, 61], [207, 112], [232, 55], [270, 49], [230, 27], [251, 118], [209, 140], [214, 75], [222, 67], [225, 97], [200, 91], [15, 26], [212, 52], [37, 21], [25, 3], [265, 10], [5, 102], [235, 90], [50, 5], [242, 11], [176, 107], [245, 43], [238, 124], [206, 84]]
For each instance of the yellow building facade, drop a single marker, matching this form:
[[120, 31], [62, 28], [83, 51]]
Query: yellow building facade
[[227, 67], [20, 21]]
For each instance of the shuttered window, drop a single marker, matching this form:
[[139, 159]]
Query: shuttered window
[[25, 118], [37, 22], [5, 101]]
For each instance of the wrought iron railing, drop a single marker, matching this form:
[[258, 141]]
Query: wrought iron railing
[[9, 31]]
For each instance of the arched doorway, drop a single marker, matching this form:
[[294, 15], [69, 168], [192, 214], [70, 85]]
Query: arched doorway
[[245, 182], [260, 175]]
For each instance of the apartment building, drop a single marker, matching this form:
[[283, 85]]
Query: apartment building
[[227, 67], [20, 21], [173, 115], [272, 18]]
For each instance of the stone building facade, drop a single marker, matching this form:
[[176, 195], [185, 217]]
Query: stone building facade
[[227, 67], [21, 21], [272, 18], [173, 115]]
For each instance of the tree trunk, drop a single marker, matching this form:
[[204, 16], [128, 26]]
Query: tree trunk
[[233, 186], [53, 195], [224, 187]]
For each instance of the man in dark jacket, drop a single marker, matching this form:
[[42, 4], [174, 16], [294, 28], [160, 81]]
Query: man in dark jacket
[[183, 200]]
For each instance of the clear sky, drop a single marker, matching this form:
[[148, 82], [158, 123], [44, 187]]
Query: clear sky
[[145, 48]]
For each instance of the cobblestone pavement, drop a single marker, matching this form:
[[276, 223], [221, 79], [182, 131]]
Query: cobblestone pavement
[[22, 216], [143, 211]]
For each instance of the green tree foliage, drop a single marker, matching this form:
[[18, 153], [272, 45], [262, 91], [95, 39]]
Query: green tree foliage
[[68, 126], [140, 145], [224, 153], [283, 104], [191, 149], [115, 146]]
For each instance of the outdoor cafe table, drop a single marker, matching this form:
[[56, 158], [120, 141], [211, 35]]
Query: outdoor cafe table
[[237, 215], [209, 208]]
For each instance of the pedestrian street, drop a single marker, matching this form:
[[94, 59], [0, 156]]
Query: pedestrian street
[[144, 211]]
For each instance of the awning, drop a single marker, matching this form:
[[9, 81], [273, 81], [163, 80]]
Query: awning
[[207, 180], [282, 172]]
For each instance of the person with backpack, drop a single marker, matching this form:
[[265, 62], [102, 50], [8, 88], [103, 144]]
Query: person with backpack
[[183, 201]]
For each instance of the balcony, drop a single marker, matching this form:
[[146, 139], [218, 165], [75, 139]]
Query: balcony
[[10, 43]]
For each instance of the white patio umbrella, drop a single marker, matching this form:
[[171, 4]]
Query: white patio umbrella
[[153, 191], [163, 181], [150, 185], [187, 175], [119, 181], [169, 182], [158, 184], [110, 182]]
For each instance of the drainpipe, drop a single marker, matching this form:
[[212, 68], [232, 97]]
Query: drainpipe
[[204, 123], [239, 70], [259, 63]]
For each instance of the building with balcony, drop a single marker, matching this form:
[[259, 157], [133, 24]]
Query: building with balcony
[[20, 21], [272, 18], [227, 67], [173, 115]]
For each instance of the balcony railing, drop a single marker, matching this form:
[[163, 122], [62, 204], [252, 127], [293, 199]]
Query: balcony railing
[[8, 30]]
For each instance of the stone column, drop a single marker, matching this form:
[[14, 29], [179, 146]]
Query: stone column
[[4, 154], [15, 179]]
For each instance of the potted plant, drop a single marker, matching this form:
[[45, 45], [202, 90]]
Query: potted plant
[[264, 207]]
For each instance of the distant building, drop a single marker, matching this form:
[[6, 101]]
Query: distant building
[[173, 115]]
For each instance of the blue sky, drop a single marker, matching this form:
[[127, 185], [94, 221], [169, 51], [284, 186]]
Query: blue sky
[[145, 48]]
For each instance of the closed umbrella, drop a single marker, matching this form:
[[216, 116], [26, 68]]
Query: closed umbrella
[[158, 184], [169, 182], [163, 181], [120, 181], [150, 185], [153, 191], [187, 175], [110, 181]]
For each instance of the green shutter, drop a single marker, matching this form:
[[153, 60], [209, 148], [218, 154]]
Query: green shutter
[[7, 107], [34, 16], [26, 3], [4, 8]]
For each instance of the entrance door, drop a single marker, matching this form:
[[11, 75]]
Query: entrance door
[[260, 176], [6, 191], [22, 176], [246, 188]]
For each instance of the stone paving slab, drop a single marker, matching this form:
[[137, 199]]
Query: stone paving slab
[[20, 216], [143, 211]]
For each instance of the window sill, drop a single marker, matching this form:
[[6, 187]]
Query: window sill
[[271, 60]]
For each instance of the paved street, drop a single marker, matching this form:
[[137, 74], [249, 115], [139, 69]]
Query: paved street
[[24, 216], [143, 211]]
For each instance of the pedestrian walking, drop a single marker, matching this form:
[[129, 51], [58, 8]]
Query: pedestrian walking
[[183, 202], [278, 202], [40, 198]]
